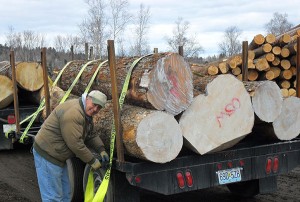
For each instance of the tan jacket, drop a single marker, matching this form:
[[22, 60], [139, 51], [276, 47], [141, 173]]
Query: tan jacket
[[66, 133]]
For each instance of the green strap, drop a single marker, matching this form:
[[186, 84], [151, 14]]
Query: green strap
[[101, 192], [75, 81], [41, 106], [24, 135], [94, 76]]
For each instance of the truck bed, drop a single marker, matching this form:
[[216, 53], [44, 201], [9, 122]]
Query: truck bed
[[249, 156]]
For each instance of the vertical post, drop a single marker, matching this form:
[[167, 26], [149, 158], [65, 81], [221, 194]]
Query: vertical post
[[72, 53], [180, 50], [155, 51], [115, 98], [45, 78], [245, 61], [91, 53], [298, 69], [86, 46], [16, 99]]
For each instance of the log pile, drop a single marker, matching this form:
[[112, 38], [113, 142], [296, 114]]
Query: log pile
[[29, 77], [270, 58]]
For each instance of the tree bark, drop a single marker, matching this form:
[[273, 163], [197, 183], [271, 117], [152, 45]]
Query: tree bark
[[220, 118], [147, 134], [161, 81]]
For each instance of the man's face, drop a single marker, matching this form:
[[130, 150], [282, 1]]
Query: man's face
[[91, 109]]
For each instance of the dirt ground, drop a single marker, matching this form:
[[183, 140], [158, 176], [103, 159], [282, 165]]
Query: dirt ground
[[18, 183]]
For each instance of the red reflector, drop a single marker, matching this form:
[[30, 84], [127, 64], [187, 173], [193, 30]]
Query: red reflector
[[268, 166], [229, 164], [180, 180], [219, 166], [11, 119], [275, 165], [189, 178], [242, 163], [138, 179]]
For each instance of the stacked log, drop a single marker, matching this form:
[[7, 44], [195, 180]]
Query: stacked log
[[219, 117], [29, 77], [161, 81], [274, 59], [6, 86], [151, 135]]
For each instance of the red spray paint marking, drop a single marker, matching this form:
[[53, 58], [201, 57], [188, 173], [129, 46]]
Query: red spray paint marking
[[229, 109]]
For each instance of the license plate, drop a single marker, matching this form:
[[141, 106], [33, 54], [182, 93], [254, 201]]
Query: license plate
[[229, 176], [9, 127]]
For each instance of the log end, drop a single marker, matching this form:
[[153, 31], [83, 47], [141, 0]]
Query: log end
[[171, 84], [29, 75], [158, 137], [6, 89], [287, 124], [267, 101]]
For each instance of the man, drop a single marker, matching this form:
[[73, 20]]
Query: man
[[66, 133]]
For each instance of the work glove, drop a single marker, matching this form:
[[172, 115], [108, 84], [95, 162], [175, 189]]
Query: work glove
[[96, 165], [104, 156]]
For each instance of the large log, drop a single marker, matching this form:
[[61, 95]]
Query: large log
[[287, 124], [266, 99], [6, 89], [29, 75], [160, 81], [220, 118], [147, 134]]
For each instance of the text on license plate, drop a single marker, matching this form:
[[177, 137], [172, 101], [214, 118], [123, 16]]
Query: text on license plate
[[229, 175]]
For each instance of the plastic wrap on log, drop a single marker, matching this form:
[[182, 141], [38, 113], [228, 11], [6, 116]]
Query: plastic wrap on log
[[220, 118], [160, 81], [147, 134]]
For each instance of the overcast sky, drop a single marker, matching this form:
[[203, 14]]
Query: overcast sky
[[208, 18]]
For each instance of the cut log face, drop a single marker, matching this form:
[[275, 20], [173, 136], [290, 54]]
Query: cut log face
[[171, 85], [267, 101], [287, 124], [220, 119], [29, 75], [159, 137], [7, 93], [147, 134]]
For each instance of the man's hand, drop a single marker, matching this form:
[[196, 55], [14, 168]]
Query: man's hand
[[104, 156], [96, 165]]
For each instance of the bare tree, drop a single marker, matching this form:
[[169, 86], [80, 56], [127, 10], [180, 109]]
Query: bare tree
[[93, 27], [278, 24], [231, 44], [120, 16], [27, 44], [140, 45], [181, 38]]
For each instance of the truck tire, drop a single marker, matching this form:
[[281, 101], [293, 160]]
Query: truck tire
[[98, 177], [75, 170], [246, 189]]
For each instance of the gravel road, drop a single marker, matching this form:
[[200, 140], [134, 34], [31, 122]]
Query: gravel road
[[18, 183]]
